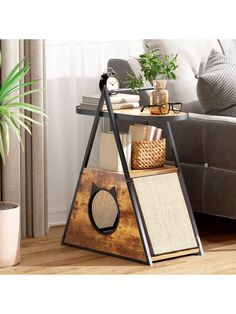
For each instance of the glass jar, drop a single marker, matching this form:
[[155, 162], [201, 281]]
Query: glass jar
[[159, 98]]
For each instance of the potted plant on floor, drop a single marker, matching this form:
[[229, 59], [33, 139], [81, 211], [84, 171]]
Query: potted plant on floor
[[12, 118], [157, 69]]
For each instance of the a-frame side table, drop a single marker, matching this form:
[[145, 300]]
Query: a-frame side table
[[130, 240]]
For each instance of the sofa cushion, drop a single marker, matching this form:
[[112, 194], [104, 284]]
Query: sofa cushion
[[216, 86], [191, 53]]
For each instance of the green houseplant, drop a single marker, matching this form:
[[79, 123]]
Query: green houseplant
[[155, 65], [13, 118], [156, 68]]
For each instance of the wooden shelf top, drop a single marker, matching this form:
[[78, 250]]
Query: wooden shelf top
[[151, 172], [135, 115], [145, 172]]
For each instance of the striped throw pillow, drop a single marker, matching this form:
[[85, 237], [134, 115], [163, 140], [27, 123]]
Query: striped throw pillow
[[216, 87]]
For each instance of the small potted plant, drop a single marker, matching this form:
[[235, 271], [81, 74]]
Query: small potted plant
[[134, 83], [157, 69], [12, 118]]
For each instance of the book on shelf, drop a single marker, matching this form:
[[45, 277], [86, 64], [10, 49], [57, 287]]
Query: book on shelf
[[157, 134], [115, 99], [140, 132], [109, 158], [114, 106], [150, 133]]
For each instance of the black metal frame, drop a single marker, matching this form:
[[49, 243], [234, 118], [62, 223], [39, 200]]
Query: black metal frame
[[130, 184]]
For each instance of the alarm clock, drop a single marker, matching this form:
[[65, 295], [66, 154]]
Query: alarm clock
[[111, 80]]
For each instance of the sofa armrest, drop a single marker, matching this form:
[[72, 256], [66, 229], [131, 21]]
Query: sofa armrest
[[212, 118]]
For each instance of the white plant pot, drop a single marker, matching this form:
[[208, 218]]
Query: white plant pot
[[9, 234]]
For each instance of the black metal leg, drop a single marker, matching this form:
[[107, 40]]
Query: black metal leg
[[184, 189], [129, 181], [86, 157]]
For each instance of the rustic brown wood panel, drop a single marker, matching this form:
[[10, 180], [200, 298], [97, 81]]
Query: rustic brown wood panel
[[125, 240]]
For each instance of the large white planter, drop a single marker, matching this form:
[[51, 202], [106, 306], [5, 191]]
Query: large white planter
[[9, 234]]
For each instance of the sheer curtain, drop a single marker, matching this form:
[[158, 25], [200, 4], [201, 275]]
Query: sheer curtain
[[24, 177]]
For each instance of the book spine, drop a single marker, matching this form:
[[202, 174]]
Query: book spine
[[123, 141], [128, 150], [157, 135], [114, 106], [116, 99], [151, 133]]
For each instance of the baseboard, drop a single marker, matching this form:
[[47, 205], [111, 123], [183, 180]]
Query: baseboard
[[57, 218]]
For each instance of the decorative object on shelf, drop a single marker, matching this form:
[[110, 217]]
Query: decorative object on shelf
[[176, 107], [148, 149], [135, 83], [111, 80], [12, 118], [159, 98], [142, 132], [148, 154], [118, 101], [157, 69], [154, 65], [111, 161]]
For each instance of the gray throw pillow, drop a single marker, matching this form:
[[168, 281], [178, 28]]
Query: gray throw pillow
[[216, 87]]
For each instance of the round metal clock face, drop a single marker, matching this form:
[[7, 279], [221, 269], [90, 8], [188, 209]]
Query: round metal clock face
[[113, 82]]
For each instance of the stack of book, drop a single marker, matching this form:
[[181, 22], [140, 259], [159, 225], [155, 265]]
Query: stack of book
[[108, 153], [118, 101], [141, 132]]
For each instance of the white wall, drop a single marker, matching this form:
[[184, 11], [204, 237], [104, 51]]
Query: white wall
[[73, 70]]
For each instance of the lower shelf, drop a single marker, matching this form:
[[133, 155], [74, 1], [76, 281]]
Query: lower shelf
[[144, 172], [152, 172]]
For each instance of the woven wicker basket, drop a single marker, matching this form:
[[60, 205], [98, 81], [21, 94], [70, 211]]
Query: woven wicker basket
[[148, 154]]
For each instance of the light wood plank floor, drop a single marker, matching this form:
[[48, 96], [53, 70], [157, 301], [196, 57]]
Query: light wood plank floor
[[47, 256]]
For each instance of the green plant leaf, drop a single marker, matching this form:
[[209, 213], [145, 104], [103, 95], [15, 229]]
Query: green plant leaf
[[14, 78], [2, 149], [14, 127], [154, 64], [28, 107], [20, 122], [15, 68], [22, 95], [11, 115], [5, 130], [4, 111], [15, 88], [27, 118]]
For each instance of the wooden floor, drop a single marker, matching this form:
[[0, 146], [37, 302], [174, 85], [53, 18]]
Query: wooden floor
[[47, 256]]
